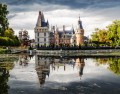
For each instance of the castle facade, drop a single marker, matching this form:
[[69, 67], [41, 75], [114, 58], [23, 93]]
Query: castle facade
[[44, 36]]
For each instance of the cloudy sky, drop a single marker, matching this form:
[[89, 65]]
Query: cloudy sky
[[94, 13]]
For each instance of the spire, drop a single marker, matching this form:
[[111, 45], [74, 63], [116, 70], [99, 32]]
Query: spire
[[56, 28], [64, 28], [73, 32], [47, 23], [42, 17], [39, 19], [80, 23], [79, 17]]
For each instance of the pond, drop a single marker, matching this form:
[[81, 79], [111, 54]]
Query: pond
[[60, 75]]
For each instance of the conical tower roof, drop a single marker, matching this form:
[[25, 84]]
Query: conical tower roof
[[80, 23], [39, 19]]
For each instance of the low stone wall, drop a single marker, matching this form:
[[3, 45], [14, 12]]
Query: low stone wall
[[77, 52]]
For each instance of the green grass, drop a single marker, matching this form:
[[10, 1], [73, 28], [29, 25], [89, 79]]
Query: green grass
[[2, 51]]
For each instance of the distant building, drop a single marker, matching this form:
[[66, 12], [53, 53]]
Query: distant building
[[41, 31], [56, 37], [24, 37]]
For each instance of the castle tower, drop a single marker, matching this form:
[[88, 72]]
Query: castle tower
[[79, 33], [80, 64], [41, 31], [42, 66]]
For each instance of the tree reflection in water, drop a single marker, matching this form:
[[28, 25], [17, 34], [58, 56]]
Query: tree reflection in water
[[112, 62], [24, 59], [43, 65], [4, 76]]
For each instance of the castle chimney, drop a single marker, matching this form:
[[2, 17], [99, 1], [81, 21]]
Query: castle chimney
[[53, 28], [63, 27]]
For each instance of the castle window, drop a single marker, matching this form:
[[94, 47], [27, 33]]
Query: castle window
[[44, 34], [38, 34], [44, 39]]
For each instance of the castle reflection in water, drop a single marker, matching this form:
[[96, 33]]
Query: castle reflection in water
[[44, 65]]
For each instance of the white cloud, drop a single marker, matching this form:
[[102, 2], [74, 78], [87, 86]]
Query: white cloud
[[26, 21], [59, 15]]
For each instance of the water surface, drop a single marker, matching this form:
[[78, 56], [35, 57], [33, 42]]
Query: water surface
[[60, 75]]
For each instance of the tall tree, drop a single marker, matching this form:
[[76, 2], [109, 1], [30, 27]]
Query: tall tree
[[3, 18], [108, 36], [9, 33], [114, 32]]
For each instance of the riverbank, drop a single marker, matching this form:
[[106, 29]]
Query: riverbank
[[2, 51], [8, 58], [95, 52], [100, 52]]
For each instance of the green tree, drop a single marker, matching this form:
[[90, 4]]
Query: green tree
[[9, 33], [3, 18], [108, 36], [7, 37], [114, 32], [99, 37]]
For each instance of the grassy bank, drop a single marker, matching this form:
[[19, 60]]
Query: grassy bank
[[8, 58], [2, 51]]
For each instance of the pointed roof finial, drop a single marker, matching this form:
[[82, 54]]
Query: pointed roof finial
[[56, 28], [39, 12], [47, 21], [39, 19], [42, 17], [72, 27], [79, 17]]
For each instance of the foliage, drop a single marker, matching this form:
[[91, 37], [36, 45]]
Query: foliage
[[2, 51], [3, 19], [6, 41], [113, 64], [110, 36], [4, 77], [7, 37], [9, 33], [30, 48]]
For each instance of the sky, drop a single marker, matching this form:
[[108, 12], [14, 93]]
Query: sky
[[23, 14]]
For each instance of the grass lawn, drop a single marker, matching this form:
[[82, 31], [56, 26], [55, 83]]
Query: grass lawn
[[2, 51]]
